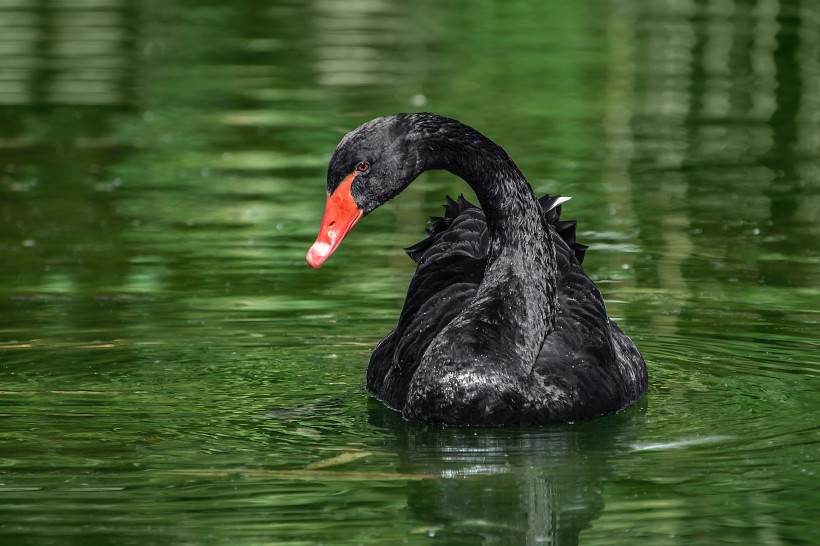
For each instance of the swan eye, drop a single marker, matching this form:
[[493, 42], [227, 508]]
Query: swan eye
[[363, 167]]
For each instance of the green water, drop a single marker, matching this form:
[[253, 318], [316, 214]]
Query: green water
[[172, 373]]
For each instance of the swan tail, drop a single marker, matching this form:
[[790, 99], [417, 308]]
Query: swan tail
[[551, 205]]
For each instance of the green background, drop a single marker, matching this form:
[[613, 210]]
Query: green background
[[171, 372]]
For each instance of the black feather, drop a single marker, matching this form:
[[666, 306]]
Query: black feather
[[454, 208]]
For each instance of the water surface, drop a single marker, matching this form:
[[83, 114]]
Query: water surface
[[172, 373]]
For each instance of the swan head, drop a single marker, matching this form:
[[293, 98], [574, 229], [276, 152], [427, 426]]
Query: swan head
[[371, 165]]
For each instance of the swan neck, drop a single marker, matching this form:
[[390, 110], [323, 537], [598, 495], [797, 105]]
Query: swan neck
[[513, 215], [521, 275]]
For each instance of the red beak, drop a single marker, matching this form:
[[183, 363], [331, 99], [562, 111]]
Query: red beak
[[341, 214]]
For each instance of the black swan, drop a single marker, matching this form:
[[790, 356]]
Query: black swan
[[501, 325]]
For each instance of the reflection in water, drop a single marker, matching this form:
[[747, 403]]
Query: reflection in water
[[353, 52], [722, 86], [509, 486], [74, 53]]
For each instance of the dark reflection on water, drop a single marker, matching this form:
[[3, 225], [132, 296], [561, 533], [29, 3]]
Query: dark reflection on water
[[510, 486], [171, 372]]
